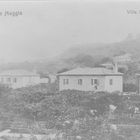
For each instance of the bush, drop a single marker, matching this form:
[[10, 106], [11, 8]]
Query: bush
[[129, 87]]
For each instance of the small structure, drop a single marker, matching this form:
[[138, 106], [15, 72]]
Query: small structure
[[44, 80], [52, 78], [19, 78], [91, 79]]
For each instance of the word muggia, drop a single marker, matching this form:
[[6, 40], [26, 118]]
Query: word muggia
[[11, 13]]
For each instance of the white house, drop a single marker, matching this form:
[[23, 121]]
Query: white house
[[91, 79], [19, 78], [125, 58]]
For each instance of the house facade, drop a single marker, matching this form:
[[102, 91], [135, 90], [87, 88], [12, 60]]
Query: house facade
[[19, 78], [91, 79]]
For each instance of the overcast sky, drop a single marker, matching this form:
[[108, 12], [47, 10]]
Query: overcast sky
[[46, 29]]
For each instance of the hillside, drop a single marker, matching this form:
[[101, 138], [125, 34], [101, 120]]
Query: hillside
[[83, 55], [94, 54], [106, 50]]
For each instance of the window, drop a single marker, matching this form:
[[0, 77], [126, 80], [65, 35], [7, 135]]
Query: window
[[111, 81], [15, 80], [8, 79], [2, 80], [65, 81], [94, 81], [80, 81]]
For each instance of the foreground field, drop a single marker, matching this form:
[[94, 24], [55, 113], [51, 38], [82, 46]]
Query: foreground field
[[75, 114]]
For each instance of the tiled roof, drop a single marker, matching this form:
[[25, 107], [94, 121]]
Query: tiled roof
[[90, 71], [18, 73]]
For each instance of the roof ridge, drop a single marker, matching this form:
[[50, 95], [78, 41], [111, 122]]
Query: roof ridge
[[90, 71]]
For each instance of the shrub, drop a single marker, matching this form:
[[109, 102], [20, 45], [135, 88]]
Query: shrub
[[129, 87]]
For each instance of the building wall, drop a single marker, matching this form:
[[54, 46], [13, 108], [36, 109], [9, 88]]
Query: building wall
[[103, 85], [117, 84], [21, 81], [86, 84]]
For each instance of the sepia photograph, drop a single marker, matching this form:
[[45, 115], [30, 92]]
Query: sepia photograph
[[70, 70]]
